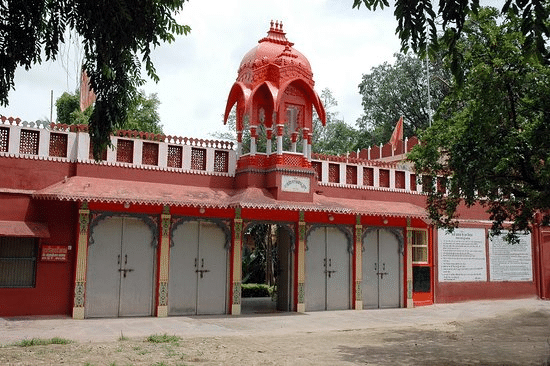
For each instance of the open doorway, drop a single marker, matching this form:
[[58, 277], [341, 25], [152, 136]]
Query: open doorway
[[267, 267]]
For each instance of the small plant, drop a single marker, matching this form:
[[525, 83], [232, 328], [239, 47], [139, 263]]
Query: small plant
[[42, 342], [122, 337], [164, 338]]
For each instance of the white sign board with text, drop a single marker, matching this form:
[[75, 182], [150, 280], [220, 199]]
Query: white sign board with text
[[461, 255], [295, 184], [510, 262]]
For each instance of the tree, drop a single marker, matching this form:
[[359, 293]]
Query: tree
[[336, 137], [116, 35], [142, 114], [418, 21], [490, 139], [65, 105], [391, 91]]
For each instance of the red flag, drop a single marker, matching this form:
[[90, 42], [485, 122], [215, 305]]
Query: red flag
[[397, 134], [87, 95]]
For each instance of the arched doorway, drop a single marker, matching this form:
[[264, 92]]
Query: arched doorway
[[327, 269], [198, 268], [267, 265], [382, 268], [121, 267]]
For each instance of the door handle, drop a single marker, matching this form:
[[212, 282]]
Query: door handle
[[125, 270], [118, 260], [330, 272], [202, 271], [125, 258]]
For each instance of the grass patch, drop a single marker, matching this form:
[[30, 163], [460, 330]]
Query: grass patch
[[42, 342], [163, 338]]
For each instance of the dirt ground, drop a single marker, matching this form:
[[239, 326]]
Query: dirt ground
[[518, 338]]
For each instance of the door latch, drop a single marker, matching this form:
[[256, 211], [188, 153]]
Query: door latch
[[125, 270]]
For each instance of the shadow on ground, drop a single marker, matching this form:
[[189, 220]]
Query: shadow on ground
[[523, 338]]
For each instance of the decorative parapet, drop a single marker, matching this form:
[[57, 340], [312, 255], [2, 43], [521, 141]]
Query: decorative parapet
[[50, 141], [142, 150]]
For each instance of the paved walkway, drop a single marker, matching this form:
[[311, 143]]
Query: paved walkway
[[97, 330]]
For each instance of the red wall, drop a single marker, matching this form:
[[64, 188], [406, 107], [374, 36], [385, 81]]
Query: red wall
[[52, 294], [544, 263]]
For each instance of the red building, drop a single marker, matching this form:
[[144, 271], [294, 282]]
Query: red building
[[156, 228]]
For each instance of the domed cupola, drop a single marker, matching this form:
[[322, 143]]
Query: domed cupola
[[274, 93]]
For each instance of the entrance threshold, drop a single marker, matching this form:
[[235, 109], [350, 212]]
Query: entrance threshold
[[258, 305]]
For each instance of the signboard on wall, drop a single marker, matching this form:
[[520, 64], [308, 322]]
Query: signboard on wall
[[510, 262], [461, 255], [295, 184], [54, 253]]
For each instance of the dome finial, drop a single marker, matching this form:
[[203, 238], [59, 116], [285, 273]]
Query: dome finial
[[271, 24]]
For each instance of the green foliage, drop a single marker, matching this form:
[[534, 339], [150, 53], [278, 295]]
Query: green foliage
[[419, 22], [142, 114], [390, 91], [163, 338], [42, 342], [490, 140], [65, 105], [255, 261], [256, 290], [117, 37], [336, 137]]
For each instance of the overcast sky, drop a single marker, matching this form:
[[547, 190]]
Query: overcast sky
[[197, 71]]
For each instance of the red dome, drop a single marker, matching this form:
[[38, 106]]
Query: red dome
[[274, 49]]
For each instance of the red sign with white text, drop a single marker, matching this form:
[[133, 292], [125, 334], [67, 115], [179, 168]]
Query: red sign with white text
[[54, 253]]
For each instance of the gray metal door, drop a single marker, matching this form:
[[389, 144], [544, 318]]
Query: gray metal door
[[327, 269], [198, 270], [120, 269], [381, 270]]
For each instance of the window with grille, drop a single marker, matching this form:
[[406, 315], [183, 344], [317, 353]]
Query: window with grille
[[221, 161], [198, 158], [175, 154], [18, 261], [150, 153], [29, 142], [125, 151], [368, 177], [419, 243], [318, 167], [334, 173], [400, 180], [58, 144], [351, 174], [4, 139], [413, 182], [384, 178]]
